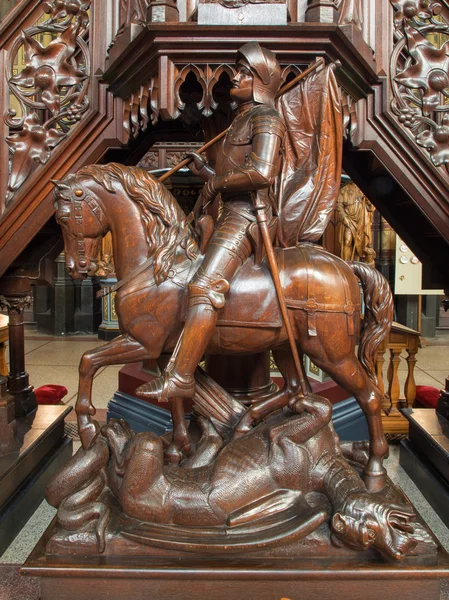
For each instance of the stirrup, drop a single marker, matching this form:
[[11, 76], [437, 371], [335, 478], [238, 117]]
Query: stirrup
[[175, 386], [170, 385]]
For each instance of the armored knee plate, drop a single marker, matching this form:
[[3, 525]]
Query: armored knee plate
[[203, 290]]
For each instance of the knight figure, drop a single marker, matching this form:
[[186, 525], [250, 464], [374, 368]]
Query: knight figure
[[248, 161]]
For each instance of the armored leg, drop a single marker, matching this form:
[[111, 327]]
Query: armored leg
[[227, 250]]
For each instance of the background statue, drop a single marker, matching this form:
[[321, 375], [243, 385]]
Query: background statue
[[350, 12], [355, 214], [106, 260]]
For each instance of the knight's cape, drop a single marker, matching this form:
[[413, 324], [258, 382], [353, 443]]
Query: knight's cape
[[310, 179]]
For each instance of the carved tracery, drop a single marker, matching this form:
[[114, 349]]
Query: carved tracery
[[49, 89]]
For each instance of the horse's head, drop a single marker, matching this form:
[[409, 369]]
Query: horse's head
[[83, 225], [367, 520]]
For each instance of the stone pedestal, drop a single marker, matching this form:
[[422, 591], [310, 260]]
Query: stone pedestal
[[54, 306], [87, 317], [162, 11], [321, 11], [109, 328]]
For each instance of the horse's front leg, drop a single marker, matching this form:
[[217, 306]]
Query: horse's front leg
[[181, 440], [120, 350]]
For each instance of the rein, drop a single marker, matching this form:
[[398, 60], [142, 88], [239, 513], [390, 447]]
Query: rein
[[113, 288], [80, 196]]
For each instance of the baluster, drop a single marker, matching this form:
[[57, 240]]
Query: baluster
[[410, 385], [394, 388]]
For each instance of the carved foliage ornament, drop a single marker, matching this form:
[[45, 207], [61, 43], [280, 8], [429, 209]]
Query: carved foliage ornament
[[15, 306], [420, 74], [51, 88]]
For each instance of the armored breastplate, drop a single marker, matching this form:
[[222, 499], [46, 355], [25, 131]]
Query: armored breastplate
[[237, 143]]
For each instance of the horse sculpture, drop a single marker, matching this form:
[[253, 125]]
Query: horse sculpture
[[156, 253]]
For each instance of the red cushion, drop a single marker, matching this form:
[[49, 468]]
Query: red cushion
[[50, 394], [427, 396]]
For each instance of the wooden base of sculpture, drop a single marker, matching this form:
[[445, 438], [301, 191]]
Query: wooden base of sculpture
[[425, 457], [25, 471], [312, 565]]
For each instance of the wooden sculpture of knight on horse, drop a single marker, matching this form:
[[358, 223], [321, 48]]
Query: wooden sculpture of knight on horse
[[278, 174], [258, 172]]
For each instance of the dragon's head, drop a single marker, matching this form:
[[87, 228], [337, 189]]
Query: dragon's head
[[367, 521]]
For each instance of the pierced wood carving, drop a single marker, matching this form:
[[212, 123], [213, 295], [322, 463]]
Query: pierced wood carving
[[141, 109], [50, 92], [419, 74]]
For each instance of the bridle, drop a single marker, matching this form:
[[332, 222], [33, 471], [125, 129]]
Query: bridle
[[79, 196], [83, 261]]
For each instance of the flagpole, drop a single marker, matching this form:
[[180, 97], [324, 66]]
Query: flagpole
[[285, 88]]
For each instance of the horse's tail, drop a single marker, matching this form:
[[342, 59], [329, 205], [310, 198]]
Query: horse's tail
[[378, 315]]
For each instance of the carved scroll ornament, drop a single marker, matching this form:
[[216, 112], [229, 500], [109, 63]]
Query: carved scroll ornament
[[420, 75], [51, 88]]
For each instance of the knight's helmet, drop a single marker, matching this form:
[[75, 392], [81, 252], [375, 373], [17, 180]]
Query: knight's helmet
[[265, 69]]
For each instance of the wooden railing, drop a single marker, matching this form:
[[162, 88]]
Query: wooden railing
[[401, 339]]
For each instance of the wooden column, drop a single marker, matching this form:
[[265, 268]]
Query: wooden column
[[3, 341], [18, 382], [245, 377]]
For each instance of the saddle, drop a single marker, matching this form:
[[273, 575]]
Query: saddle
[[314, 281]]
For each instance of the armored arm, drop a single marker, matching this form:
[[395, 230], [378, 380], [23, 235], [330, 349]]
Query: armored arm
[[199, 166], [261, 165]]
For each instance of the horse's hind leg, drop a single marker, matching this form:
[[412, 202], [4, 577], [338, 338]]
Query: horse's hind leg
[[122, 349], [292, 387], [350, 374]]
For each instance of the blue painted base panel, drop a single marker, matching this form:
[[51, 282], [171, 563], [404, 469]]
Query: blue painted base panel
[[349, 420]]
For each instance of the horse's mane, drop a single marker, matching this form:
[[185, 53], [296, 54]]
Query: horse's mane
[[165, 223]]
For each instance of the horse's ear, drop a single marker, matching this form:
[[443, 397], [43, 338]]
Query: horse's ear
[[59, 184]]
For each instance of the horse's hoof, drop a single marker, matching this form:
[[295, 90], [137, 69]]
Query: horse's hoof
[[240, 432], [173, 455], [88, 430], [374, 482]]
